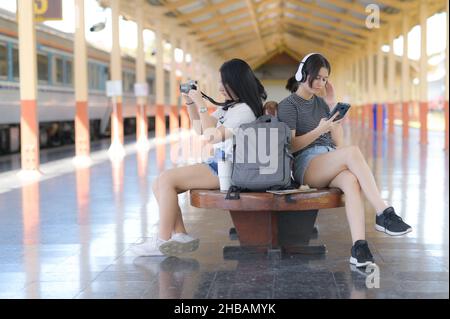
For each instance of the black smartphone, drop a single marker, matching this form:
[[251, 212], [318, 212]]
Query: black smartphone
[[342, 108]]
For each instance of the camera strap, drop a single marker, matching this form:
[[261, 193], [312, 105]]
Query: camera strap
[[224, 105]]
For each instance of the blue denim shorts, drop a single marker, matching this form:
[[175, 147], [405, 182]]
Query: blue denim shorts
[[302, 160], [212, 161]]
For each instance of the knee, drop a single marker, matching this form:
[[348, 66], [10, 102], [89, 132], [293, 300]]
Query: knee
[[350, 183], [353, 153], [162, 182]]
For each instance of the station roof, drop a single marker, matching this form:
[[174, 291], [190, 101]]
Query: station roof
[[257, 30]]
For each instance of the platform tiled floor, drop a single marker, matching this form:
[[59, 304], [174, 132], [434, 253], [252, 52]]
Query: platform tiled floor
[[69, 236]]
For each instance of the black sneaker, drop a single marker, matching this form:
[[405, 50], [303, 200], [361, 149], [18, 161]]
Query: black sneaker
[[361, 255], [390, 223]]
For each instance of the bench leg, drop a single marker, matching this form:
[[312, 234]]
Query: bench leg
[[295, 230], [254, 228], [290, 231]]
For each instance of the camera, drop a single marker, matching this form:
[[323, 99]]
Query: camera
[[186, 87]]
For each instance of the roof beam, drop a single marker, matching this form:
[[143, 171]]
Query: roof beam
[[171, 6], [328, 31], [329, 12], [321, 37], [312, 47], [253, 15], [208, 9]]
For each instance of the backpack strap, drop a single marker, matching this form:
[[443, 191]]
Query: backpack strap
[[233, 193]]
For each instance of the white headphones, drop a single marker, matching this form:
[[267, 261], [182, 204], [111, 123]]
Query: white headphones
[[300, 73]]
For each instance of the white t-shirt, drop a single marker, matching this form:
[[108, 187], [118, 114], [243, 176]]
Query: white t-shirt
[[231, 119]]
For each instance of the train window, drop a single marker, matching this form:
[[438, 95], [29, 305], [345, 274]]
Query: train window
[[3, 60], [69, 73], [59, 70], [95, 77], [42, 60], [128, 81], [90, 76], [107, 74], [16, 63], [150, 86]]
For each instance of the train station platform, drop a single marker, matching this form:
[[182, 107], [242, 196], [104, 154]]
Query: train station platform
[[69, 235]]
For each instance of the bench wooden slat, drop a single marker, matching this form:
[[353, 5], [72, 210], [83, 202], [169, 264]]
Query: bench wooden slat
[[320, 199]]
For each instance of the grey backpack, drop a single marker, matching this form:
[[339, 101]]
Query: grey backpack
[[261, 156]]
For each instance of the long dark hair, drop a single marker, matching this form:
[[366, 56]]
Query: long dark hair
[[238, 77], [312, 68]]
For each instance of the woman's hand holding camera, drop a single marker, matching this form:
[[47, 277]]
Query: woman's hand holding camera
[[187, 99], [196, 97]]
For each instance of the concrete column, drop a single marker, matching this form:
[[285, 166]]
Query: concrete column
[[406, 82], [358, 90], [82, 134], [160, 112], [380, 84], [192, 65], [174, 88], [423, 95], [116, 75], [370, 83], [29, 127], [391, 82], [446, 87], [184, 116], [141, 101], [365, 79]]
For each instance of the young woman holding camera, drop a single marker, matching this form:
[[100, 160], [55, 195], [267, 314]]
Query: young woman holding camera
[[322, 160], [244, 95]]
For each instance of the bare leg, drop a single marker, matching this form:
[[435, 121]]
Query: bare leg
[[354, 206], [173, 182], [325, 167], [179, 225]]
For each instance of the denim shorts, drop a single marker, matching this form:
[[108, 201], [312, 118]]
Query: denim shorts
[[212, 161], [302, 160]]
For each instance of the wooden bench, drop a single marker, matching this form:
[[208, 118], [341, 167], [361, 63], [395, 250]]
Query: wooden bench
[[272, 223]]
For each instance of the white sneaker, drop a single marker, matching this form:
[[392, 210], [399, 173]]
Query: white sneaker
[[182, 237], [149, 248], [179, 244]]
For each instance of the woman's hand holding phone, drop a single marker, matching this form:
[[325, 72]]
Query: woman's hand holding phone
[[326, 125]]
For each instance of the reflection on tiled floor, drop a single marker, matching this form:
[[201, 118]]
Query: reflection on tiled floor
[[69, 236]]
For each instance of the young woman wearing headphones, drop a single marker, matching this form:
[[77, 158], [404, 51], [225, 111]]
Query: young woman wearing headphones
[[322, 159]]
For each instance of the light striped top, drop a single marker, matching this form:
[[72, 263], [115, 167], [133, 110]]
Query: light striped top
[[303, 116]]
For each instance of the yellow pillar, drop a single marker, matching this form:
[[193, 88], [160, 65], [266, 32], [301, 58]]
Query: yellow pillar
[[82, 138], [391, 81], [184, 116], [446, 87], [193, 67], [29, 128], [174, 89], [423, 96], [160, 114], [380, 84], [405, 78], [116, 75], [141, 100], [365, 80], [370, 83], [357, 88]]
